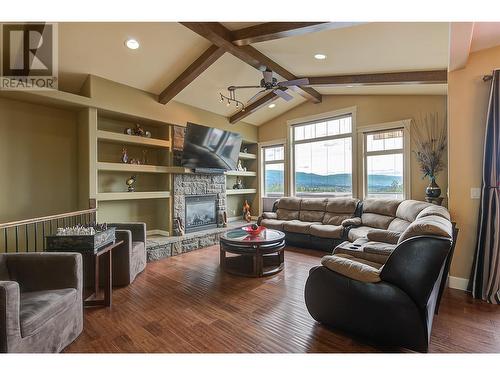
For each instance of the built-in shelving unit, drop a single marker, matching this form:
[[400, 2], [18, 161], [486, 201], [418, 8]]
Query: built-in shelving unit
[[240, 191], [132, 139], [247, 156], [122, 196], [134, 168], [241, 173]]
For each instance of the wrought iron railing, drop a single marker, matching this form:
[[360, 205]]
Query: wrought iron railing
[[29, 235]]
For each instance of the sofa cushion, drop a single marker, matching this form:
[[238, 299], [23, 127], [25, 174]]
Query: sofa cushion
[[326, 231], [409, 209], [386, 207], [356, 249], [434, 210], [364, 261], [313, 204], [351, 268], [297, 226], [398, 225], [289, 203], [269, 215], [376, 220], [342, 205], [380, 248], [380, 235], [284, 214], [428, 225], [359, 232], [36, 308], [316, 216], [272, 224]]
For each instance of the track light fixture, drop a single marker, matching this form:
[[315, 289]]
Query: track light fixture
[[231, 99]]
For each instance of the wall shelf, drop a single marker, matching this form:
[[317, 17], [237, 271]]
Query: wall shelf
[[248, 156], [132, 139], [240, 191], [121, 196], [121, 167], [241, 173]]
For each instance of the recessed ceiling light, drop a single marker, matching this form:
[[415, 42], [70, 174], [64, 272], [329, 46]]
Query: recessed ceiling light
[[132, 43], [319, 56], [349, 86], [272, 105]]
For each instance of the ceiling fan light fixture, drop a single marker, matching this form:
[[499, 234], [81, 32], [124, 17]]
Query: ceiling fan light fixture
[[320, 56], [132, 43]]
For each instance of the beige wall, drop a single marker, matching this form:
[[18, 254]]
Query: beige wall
[[370, 110], [468, 105], [38, 157]]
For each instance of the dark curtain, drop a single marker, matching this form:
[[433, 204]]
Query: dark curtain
[[486, 271]]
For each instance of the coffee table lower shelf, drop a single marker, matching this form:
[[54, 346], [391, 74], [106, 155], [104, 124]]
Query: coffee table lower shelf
[[247, 265]]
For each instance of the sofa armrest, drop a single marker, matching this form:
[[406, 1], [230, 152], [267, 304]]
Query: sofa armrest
[[352, 221], [9, 313], [269, 215], [382, 235], [44, 271], [415, 265], [138, 230]]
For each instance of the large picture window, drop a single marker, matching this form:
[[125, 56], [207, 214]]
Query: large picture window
[[323, 157], [384, 164], [274, 170]]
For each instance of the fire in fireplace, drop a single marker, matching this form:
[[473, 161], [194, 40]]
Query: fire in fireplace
[[201, 212]]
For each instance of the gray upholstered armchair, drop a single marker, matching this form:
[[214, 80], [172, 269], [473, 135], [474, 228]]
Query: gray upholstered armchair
[[129, 259], [41, 309]]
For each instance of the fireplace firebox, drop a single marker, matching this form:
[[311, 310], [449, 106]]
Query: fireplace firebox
[[201, 212]]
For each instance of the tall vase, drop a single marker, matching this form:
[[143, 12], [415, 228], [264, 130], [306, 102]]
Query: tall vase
[[432, 190]]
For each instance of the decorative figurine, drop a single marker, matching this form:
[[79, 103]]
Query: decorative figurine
[[240, 166], [130, 183], [247, 216], [135, 161], [178, 227], [144, 156], [238, 184], [245, 150], [124, 155], [138, 130]]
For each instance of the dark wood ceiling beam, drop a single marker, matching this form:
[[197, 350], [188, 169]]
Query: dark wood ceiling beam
[[396, 78], [222, 37], [254, 106], [191, 73], [276, 30]]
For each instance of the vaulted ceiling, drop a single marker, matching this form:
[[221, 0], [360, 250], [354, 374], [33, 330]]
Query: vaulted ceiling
[[167, 49]]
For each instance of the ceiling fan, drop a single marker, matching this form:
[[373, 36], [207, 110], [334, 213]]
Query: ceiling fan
[[270, 83]]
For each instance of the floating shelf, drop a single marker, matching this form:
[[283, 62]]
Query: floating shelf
[[121, 167], [246, 155], [121, 196], [240, 191], [132, 139], [241, 173]]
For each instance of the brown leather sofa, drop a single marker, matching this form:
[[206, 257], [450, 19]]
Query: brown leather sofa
[[311, 222]]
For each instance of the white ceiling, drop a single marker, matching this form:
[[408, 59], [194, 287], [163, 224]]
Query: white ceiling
[[485, 35], [168, 48]]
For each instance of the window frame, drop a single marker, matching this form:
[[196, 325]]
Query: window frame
[[405, 151], [262, 148], [348, 111]]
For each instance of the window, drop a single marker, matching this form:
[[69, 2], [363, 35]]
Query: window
[[274, 170], [323, 157], [384, 164]]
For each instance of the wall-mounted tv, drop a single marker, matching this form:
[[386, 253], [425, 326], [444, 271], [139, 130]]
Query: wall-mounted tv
[[206, 147]]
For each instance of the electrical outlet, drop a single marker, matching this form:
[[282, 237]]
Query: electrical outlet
[[475, 193]]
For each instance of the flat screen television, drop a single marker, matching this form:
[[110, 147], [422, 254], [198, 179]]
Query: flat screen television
[[206, 147]]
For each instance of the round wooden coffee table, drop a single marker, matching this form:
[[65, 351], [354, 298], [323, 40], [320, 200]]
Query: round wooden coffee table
[[252, 255]]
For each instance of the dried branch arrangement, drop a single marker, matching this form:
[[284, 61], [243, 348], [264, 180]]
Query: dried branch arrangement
[[430, 141]]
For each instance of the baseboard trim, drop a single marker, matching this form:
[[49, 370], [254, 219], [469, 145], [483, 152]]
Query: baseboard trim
[[457, 283]]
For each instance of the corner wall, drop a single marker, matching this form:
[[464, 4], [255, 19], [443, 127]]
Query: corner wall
[[468, 105]]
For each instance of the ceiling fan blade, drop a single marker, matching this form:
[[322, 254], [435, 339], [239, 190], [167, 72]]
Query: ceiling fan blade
[[268, 76], [232, 88], [255, 96], [295, 82], [283, 95]]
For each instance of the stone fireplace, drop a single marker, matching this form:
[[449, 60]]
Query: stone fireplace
[[198, 198], [200, 212]]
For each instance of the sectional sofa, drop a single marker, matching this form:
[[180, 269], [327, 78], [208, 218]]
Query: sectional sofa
[[387, 264]]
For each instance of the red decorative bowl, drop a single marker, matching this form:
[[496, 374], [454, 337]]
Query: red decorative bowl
[[251, 231]]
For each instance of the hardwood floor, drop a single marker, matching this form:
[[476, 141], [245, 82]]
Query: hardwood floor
[[185, 304]]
